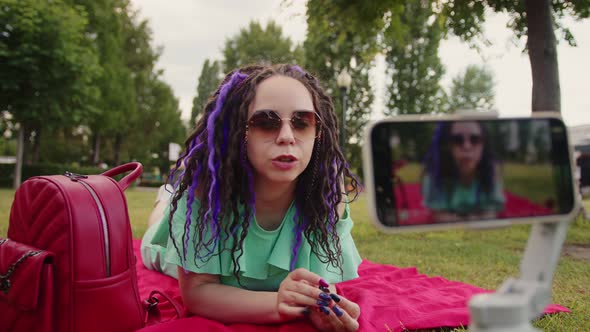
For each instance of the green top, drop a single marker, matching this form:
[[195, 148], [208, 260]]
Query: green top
[[266, 254], [463, 199]]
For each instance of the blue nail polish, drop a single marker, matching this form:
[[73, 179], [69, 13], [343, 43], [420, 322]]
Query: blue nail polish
[[337, 311], [335, 297], [305, 311], [324, 310], [325, 289], [325, 297], [323, 303]]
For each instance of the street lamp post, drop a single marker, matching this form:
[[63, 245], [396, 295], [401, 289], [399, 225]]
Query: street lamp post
[[343, 81]]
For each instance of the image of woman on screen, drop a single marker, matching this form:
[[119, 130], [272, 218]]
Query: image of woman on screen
[[461, 179]]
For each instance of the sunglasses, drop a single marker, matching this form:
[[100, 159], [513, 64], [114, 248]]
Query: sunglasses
[[460, 140], [304, 124]]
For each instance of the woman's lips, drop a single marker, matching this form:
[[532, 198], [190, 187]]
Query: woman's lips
[[284, 165], [284, 162]]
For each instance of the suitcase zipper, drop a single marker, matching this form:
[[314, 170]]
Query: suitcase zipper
[[103, 219]]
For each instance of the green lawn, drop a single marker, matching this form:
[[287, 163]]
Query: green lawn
[[481, 258]]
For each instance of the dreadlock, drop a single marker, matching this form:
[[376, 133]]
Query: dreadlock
[[207, 162]]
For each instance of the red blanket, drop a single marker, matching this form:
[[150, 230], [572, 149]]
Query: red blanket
[[389, 297], [411, 210]]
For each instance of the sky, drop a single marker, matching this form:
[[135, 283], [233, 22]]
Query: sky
[[191, 31]]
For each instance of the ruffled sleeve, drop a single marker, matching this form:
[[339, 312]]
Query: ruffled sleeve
[[496, 199], [213, 264], [281, 255], [266, 255], [432, 198], [350, 256]]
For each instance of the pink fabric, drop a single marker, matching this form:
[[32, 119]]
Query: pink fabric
[[399, 298], [411, 210]]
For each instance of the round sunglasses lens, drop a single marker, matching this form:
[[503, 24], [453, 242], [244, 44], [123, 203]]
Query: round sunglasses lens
[[304, 124], [475, 139], [457, 139], [265, 122]]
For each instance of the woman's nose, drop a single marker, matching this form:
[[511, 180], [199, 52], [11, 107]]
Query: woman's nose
[[286, 134]]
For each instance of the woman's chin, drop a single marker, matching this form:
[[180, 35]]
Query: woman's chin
[[282, 176]]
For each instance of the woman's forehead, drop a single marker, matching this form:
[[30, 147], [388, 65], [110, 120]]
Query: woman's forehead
[[465, 127], [281, 94]]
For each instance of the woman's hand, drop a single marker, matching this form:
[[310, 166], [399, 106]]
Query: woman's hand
[[298, 291], [299, 295], [338, 316]]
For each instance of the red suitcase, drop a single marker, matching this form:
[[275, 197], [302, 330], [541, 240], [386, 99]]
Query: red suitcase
[[83, 220]]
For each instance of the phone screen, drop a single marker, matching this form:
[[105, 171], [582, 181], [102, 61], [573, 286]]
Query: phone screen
[[433, 172]]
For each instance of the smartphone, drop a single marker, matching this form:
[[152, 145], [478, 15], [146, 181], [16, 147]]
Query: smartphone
[[440, 172]]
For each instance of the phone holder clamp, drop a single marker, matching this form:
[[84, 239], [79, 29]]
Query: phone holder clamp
[[518, 301]]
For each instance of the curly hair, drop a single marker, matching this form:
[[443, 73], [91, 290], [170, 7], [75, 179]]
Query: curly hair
[[227, 173], [440, 165]]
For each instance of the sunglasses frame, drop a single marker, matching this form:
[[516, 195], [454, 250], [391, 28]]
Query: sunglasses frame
[[319, 122], [474, 139]]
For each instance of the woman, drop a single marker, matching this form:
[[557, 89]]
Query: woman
[[461, 179], [258, 225]]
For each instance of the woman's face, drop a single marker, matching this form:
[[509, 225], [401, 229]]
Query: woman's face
[[279, 151], [466, 146]]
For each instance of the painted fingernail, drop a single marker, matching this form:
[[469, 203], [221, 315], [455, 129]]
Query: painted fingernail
[[326, 297], [305, 311], [323, 283], [322, 303], [325, 310], [337, 311], [335, 297], [325, 289]]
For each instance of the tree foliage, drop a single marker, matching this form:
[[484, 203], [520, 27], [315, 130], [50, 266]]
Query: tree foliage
[[47, 63], [208, 82], [538, 21], [413, 65], [473, 89], [332, 45], [48, 67], [77, 69], [258, 45], [108, 23], [535, 19]]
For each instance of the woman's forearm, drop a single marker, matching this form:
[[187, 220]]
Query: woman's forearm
[[229, 304]]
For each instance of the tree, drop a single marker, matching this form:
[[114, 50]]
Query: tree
[[48, 65], [473, 89], [256, 45], [333, 44], [159, 124], [413, 63], [107, 24], [536, 20], [208, 82]]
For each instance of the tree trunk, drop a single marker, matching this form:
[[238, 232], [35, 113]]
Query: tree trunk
[[19, 157], [95, 149], [27, 156], [542, 48], [36, 146], [117, 148]]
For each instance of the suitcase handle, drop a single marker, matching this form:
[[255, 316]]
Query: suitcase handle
[[135, 168]]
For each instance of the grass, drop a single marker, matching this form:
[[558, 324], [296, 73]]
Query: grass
[[481, 258]]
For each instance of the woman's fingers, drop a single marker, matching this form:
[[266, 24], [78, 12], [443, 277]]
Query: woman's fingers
[[301, 287], [304, 274], [327, 319], [349, 307], [286, 309]]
